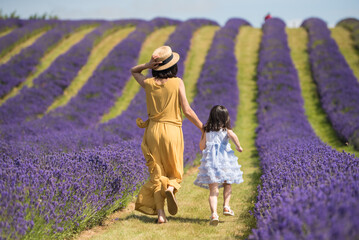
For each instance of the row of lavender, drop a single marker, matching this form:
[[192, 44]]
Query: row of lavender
[[10, 24], [62, 181], [20, 66], [52, 82], [22, 31], [337, 86], [308, 191]]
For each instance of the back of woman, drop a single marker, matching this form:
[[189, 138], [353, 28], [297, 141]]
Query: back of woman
[[163, 101]]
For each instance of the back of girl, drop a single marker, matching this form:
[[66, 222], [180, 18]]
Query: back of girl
[[219, 166]]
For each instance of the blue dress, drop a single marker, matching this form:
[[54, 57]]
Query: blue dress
[[218, 163]]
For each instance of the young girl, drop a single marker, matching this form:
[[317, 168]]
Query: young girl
[[219, 166]]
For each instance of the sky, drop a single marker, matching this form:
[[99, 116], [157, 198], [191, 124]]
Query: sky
[[293, 12]]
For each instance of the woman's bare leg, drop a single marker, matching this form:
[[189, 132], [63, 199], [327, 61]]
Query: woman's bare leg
[[213, 196], [227, 191], [160, 203], [161, 216]]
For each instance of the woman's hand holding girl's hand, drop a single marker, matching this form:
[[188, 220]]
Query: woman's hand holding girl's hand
[[239, 149], [153, 63]]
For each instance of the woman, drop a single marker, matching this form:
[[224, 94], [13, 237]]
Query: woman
[[162, 143]]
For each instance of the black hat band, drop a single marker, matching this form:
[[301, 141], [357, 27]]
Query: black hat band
[[166, 61]]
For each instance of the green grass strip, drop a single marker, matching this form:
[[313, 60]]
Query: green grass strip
[[200, 44], [98, 53], [154, 40], [347, 47], [297, 40], [17, 49], [246, 51], [45, 62], [6, 32]]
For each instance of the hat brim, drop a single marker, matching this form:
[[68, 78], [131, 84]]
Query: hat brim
[[174, 60]]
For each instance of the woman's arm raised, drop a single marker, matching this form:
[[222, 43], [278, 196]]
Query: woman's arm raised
[[136, 70], [186, 108]]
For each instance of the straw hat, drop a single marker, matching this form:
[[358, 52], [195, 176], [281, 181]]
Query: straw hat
[[166, 56]]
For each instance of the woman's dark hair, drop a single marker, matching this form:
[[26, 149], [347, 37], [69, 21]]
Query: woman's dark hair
[[167, 73], [218, 119]]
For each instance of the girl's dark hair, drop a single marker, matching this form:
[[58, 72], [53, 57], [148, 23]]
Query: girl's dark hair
[[167, 73], [218, 119]]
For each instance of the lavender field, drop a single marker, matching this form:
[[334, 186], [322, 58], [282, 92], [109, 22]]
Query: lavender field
[[65, 170]]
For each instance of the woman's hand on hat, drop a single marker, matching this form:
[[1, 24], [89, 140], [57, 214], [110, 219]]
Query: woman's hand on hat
[[153, 63]]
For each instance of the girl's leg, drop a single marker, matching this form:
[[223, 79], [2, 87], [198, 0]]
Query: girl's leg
[[227, 191], [213, 195]]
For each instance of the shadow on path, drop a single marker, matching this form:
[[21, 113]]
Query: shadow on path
[[147, 219]]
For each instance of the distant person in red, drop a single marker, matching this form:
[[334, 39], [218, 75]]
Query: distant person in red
[[268, 16]]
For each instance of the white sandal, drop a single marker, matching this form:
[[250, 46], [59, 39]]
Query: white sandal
[[227, 211], [213, 220]]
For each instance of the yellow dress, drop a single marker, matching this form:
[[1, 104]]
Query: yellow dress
[[162, 144]]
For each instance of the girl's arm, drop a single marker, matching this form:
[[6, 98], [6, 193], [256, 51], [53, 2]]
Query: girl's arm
[[136, 70], [234, 138], [202, 142], [186, 108]]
